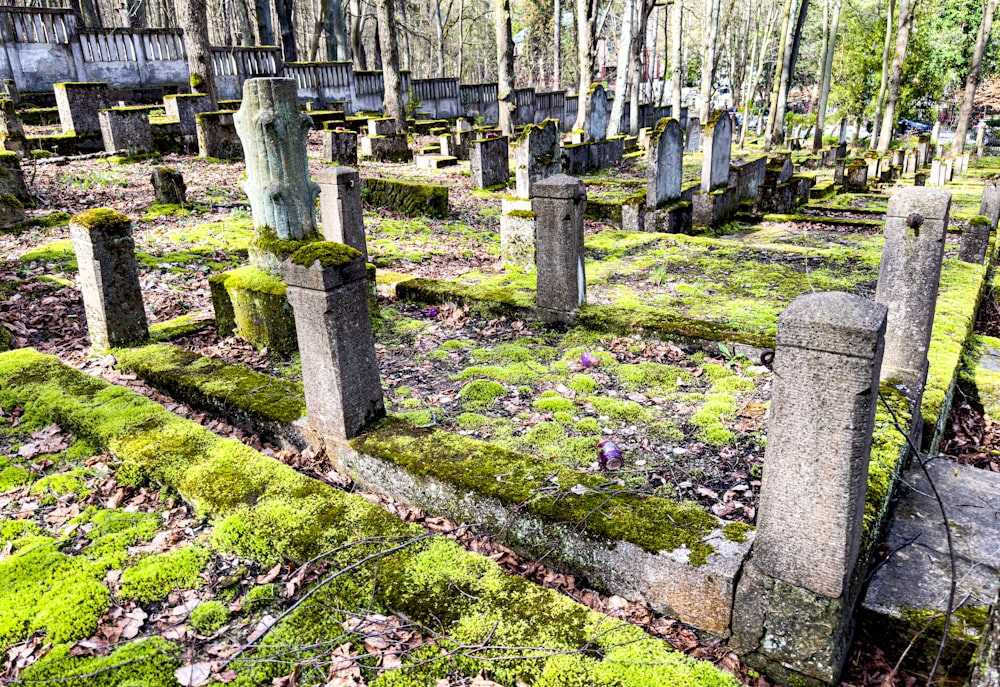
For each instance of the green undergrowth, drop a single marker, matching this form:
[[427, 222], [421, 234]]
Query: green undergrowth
[[265, 510], [980, 375], [419, 239]]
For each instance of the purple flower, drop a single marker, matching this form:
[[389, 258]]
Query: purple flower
[[429, 312]]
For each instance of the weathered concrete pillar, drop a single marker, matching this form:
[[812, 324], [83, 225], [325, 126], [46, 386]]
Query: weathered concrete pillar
[[718, 132], [598, 116], [794, 603], [340, 146], [168, 185], [329, 296], [282, 196], [989, 206], [79, 104], [816, 463], [537, 155], [489, 162], [217, 136], [559, 203], [664, 163], [915, 227], [340, 207], [126, 128], [975, 240], [109, 279], [185, 107], [693, 141]]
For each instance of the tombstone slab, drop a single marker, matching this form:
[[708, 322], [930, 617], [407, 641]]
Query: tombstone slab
[[718, 133], [79, 104], [537, 155], [489, 162], [341, 212], [559, 204], [597, 120], [168, 185], [184, 108], [128, 129]]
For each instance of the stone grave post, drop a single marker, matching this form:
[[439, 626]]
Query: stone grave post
[[975, 240], [340, 207], [718, 131], [184, 107], [125, 128], [693, 132], [597, 121], [794, 603], [923, 149], [559, 204], [537, 155], [79, 104], [11, 91], [168, 185], [217, 136], [980, 140], [282, 197], [989, 206], [909, 275], [12, 129], [329, 296], [340, 146], [109, 279], [489, 162], [664, 162]]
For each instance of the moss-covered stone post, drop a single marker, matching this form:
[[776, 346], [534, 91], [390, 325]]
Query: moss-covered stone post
[[989, 206], [975, 240], [184, 108], [168, 185], [559, 204], [340, 207], [79, 104], [340, 146], [537, 155], [664, 164], [109, 279], [692, 140], [980, 140], [909, 275], [718, 133], [126, 129], [12, 129], [282, 196], [489, 162], [795, 599], [329, 296]]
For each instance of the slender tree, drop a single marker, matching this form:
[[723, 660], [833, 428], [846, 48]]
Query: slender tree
[[265, 25], [625, 41], [832, 13], [439, 34], [972, 80], [586, 27], [906, 10], [505, 64], [357, 46], [557, 46], [194, 21], [283, 12], [708, 56], [883, 86], [391, 79], [676, 57]]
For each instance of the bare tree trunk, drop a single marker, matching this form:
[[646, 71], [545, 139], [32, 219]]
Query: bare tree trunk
[[784, 53], [439, 31], [676, 61], [403, 24], [265, 25], [339, 31], [972, 81], [194, 21], [830, 43], [758, 55], [557, 46], [461, 40], [88, 13], [708, 57], [621, 76], [788, 68], [505, 64], [243, 18], [884, 82], [906, 9], [283, 11], [644, 10], [387, 29], [586, 18], [357, 47]]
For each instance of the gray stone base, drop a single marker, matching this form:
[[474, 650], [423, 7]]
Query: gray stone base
[[673, 219], [781, 199], [391, 148], [714, 208]]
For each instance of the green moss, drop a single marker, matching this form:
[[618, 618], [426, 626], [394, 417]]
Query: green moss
[[408, 197], [506, 353], [666, 430], [40, 154], [545, 433], [628, 411], [481, 393], [165, 210], [261, 596], [176, 327], [196, 80], [58, 218], [552, 404], [328, 254], [53, 251], [656, 376], [209, 616], [105, 219], [51, 487], [980, 221], [514, 373], [260, 311], [12, 477], [582, 383], [588, 425], [737, 531], [156, 575], [266, 242], [233, 390], [732, 384], [148, 662]]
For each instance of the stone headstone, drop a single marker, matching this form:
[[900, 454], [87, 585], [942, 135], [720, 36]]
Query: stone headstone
[[217, 136], [597, 121], [826, 364], [184, 108], [559, 203], [664, 163], [340, 207], [856, 177], [340, 146], [108, 278], [693, 132], [718, 132], [14, 194], [489, 162], [989, 206], [537, 155], [975, 240], [915, 228], [282, 196], [79, 104], [923, 149], [329, 298], [937, 173], [779, 171], [12, 129], [127, 129], [383, 126], [168, 186]]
